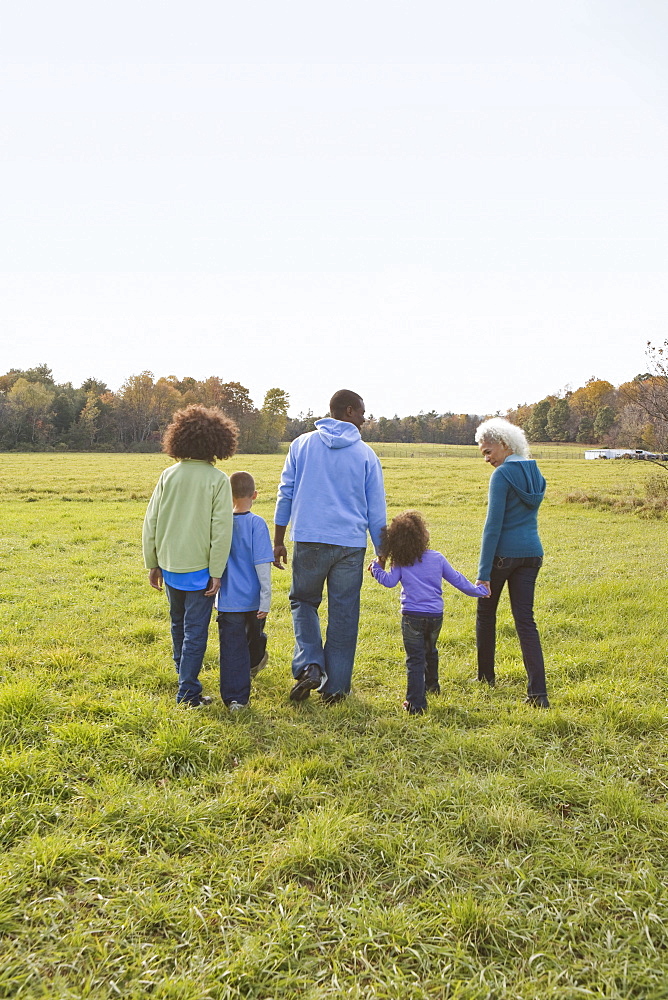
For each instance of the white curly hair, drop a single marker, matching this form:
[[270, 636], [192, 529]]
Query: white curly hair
[[498, 429]]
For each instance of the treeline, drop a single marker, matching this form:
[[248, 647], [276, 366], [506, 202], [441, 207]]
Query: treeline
[[38, 414], [633, 415], [432, 427]]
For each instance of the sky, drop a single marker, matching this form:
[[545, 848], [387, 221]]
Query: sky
[[443, 206]]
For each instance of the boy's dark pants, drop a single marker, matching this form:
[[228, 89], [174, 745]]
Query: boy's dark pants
[[243, 643], [420, 635], [190, 613]]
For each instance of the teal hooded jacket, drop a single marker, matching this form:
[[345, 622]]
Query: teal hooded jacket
[[516, 491]]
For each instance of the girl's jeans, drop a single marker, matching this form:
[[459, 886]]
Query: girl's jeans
[[420, 636], [190, 613], [520, 574]]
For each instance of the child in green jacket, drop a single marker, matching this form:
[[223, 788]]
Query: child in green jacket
[[187, 535]]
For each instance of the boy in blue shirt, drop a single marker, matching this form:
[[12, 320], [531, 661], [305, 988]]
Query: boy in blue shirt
[[244, 597]]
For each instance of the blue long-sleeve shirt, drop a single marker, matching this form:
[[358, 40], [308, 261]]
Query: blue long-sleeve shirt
[[331, 487], [516, 491], [421, 583]]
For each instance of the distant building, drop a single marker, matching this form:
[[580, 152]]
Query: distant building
[[624, 453]]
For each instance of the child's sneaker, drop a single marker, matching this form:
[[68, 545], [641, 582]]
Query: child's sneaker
[[260, 666]]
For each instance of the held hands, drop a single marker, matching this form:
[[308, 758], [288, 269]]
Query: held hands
[[484, 583], [376, 562]]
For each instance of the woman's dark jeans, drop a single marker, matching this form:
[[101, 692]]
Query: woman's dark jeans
[[520, 574], [420, 636]]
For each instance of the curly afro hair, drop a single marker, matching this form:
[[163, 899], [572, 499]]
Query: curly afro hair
[[200, 432], [406, 539]]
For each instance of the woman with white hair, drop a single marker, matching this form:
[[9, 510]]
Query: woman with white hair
[[511, 551]]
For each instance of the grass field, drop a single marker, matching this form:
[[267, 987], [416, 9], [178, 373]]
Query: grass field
[[485, 850]]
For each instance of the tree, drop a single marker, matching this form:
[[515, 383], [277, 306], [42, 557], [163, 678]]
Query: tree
[[605, 418], [585, 434], [558, 420], [146, 407], [29, 409], [536, 425], [589, 398]]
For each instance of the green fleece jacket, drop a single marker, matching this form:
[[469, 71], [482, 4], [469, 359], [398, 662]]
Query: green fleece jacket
[[188, 522]]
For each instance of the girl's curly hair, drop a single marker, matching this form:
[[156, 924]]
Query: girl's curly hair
[[201, 432], [406, 539]]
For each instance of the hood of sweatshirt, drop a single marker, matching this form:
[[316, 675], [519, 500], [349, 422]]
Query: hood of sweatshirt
[[337, 433], [526, 480]]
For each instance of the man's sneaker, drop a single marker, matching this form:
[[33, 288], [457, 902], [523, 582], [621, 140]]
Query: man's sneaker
[[311, 678], [237, 706], [260, 666]]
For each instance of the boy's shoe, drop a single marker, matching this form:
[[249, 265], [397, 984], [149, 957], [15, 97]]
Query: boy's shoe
[[537, 701], [260, 666], [237, 706], [407, 707], [311, 678], [433, 689]]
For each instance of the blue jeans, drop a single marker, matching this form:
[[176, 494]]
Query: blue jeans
[[190, 613], [342, 568], [520, 574], [242, 645], [420, 635]]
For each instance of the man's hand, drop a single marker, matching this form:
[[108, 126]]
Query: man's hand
[[262, 614], [280, 551], [214, 586], [155, 578], [280, 555]]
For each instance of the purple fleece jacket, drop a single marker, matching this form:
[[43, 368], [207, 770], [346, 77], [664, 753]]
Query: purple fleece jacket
[[421, 592]]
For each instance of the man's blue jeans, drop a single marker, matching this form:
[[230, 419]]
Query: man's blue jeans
[[243, 643], [420, 635], [342, 568], [190, 613], [520, 575]]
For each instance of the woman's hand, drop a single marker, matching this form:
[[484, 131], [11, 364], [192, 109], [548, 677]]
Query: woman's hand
[[484, 583]]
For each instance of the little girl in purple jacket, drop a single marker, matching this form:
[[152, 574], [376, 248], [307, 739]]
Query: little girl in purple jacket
[[420, 570]]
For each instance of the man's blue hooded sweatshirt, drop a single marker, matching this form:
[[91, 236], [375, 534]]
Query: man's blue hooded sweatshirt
[[331, 487], [516, 491]]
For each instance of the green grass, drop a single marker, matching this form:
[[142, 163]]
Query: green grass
[[485, 850]]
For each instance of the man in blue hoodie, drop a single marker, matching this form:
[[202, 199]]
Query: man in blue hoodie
[[332, 493]]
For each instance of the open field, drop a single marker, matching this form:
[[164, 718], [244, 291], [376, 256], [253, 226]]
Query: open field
[[486, 850]]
